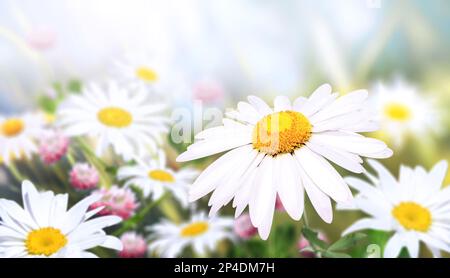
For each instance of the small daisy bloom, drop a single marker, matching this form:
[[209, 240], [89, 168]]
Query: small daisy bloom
[[201, 233], [116, 201], [134, 246], [45, 228], [414, 207], [18, 135], [284, 151], [127, 122], [141, 72], [153, 177], [403, 110], [83, 176], [53, 145]]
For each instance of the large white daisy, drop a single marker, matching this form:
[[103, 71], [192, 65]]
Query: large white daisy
[[127, 122], [45, 228], [18, 135], [403, 110], [414, 207], [283, 151], [154, 177], [201, 233]]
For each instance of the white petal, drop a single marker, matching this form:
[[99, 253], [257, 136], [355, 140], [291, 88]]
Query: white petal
[[393, 246], [353, 143], [210, 177], [289, 185], [344, 159], [76, 214], [367, 224], [262, 203], [282, 103], [213, 146], [412, 244], [319, 200], [112, 243], [260, 105], [437, 175], [323, 175]]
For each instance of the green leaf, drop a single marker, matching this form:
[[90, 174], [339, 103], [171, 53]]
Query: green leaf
[[336, 255], [47, 104], [313, 238], [346, 242], [74, 86], [284, 238]]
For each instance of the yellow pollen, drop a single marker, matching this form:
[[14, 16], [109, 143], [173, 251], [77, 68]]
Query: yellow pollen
[[115, 117], [146, 74], [281, 132], [195, 229], [45, 241], [398, 112], [412, 216], [161, 175], [12, 127]]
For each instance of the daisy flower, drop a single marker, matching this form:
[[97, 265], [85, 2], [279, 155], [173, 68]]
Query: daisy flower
[[201, 233], [414, 207], [403, 110], [127, 122], [45, 228], [284, 151], [153, 177], [139, 71], [18, 135]]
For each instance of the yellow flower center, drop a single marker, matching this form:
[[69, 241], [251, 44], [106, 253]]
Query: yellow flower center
[[161, 175], [195, 229], [281, 132], [12, 127], [412, 216], [146, 74], [45, 241], [398, 112], [115, 117]]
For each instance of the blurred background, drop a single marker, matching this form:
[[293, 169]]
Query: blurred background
[[242, 47]]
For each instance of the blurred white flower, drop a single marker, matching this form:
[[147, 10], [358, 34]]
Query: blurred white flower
[[403, 110], [414, 207], [153, 177], [282, 151], [202, 233], [147, 73], [18, 135], [45, 228], [130, 123]]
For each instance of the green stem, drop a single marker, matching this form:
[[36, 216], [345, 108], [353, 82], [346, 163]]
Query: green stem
[[134, 221], [15, 172], [70, 158], [305, 219]]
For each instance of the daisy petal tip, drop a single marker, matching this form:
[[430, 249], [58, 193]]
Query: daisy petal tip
[[263, 234]]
